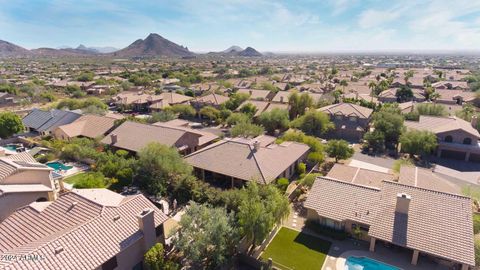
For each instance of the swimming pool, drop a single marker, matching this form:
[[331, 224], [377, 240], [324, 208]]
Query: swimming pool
[[10, 147], [58, 166], [365, 263]]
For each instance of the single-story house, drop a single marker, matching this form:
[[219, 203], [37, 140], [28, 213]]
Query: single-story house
[[45, 122], [211, 99], [239, 160], [132, 136], [263, 106], [400, 215], [88, 126]]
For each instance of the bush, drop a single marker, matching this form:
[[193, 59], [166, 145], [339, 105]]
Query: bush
[[316, 157], [332, 233], [301, 168], [477, 252], [282, 183], [308, 180], [91, 180], [476, 223]]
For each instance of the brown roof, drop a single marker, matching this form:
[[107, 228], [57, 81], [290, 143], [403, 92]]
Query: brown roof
[[437, 223], [90, 126], [340, 200], [212, 98], [254, 93], [347, 109], [134, 136], [88, 231], [424, 178], [238, 158], [359, 176], [437, 124]]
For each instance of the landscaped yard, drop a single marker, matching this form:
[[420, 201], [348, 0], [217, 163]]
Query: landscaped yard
[[296, 250]]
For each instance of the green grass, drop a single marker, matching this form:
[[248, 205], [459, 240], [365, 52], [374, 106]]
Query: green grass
[[401, 162], [75, 178], [296, 250]]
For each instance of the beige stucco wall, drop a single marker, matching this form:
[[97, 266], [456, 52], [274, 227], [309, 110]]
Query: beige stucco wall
[[30, 177], [10, 202], [458, 136]]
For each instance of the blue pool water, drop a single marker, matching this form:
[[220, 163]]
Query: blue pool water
[[364, 263], [10, 147], [57, 166]]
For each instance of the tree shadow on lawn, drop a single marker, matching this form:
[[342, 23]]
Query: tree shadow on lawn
[[313, 242]]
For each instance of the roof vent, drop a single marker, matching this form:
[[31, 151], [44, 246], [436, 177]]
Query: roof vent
[[117, 217], [58, 250], [256, 145]]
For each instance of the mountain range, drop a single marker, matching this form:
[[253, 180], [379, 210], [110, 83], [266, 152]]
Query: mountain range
[[153, 45]]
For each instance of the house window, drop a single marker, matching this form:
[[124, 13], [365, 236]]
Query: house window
[[467, 141], [110, 264], [352, 119], [449, 139], [338, 117], [41, 199]]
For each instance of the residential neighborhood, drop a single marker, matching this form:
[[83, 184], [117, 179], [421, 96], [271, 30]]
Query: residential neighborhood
[[310, 147]]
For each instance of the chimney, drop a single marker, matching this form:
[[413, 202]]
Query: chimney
[[281, 99], [403, 203], [474, 121], [113, 138], [146, 224], [256, 145]]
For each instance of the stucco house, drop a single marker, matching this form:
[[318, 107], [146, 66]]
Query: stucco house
[[457, 138], [23, 180], [419, 220], [88, 126], [82, 229], [45, 122], [351, 120], [234, 162]]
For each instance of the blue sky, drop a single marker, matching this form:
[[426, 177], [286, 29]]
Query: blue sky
[[209, 25]]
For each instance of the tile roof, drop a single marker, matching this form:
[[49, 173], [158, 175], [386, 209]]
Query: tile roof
[[340, 200], [238, 158], [91, 126], [212, 98], [359, 176], [89, 233], [22, 161], [347, 109], [445, 218], [129, 138], [48, 120], [437, 124]]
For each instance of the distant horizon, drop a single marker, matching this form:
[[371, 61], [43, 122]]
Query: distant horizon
[[276, 25]]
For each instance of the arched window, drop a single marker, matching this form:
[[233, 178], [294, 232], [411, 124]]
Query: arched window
[[41, 199], [467, 141], [449, 138]]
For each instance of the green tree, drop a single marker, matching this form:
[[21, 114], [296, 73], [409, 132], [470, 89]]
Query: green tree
[[274, 119], [431, 109], [91, 180], [417, 142], [159, 166], [261, 208], [236, 118], [235, 100], [374, 140], [339, 149], [313, 123], [162, 116], [10, 124], [299, 103], [389, 121], [408, 75], [246, 129], [210, 112], [85, 76], [404, 93], [183, 110], [207, 236], [248, 109]]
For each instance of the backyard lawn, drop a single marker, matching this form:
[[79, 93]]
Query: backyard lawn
[[296, 250]]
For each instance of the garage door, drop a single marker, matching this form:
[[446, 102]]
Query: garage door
[[453, 154], [474, 158]]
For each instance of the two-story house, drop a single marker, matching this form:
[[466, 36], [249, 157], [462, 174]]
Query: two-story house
[[457, 138], [351, 120]]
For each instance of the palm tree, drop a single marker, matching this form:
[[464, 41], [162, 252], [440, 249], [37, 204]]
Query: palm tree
[[434, 96], [372, 85], [344, 84], [409, 74]]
